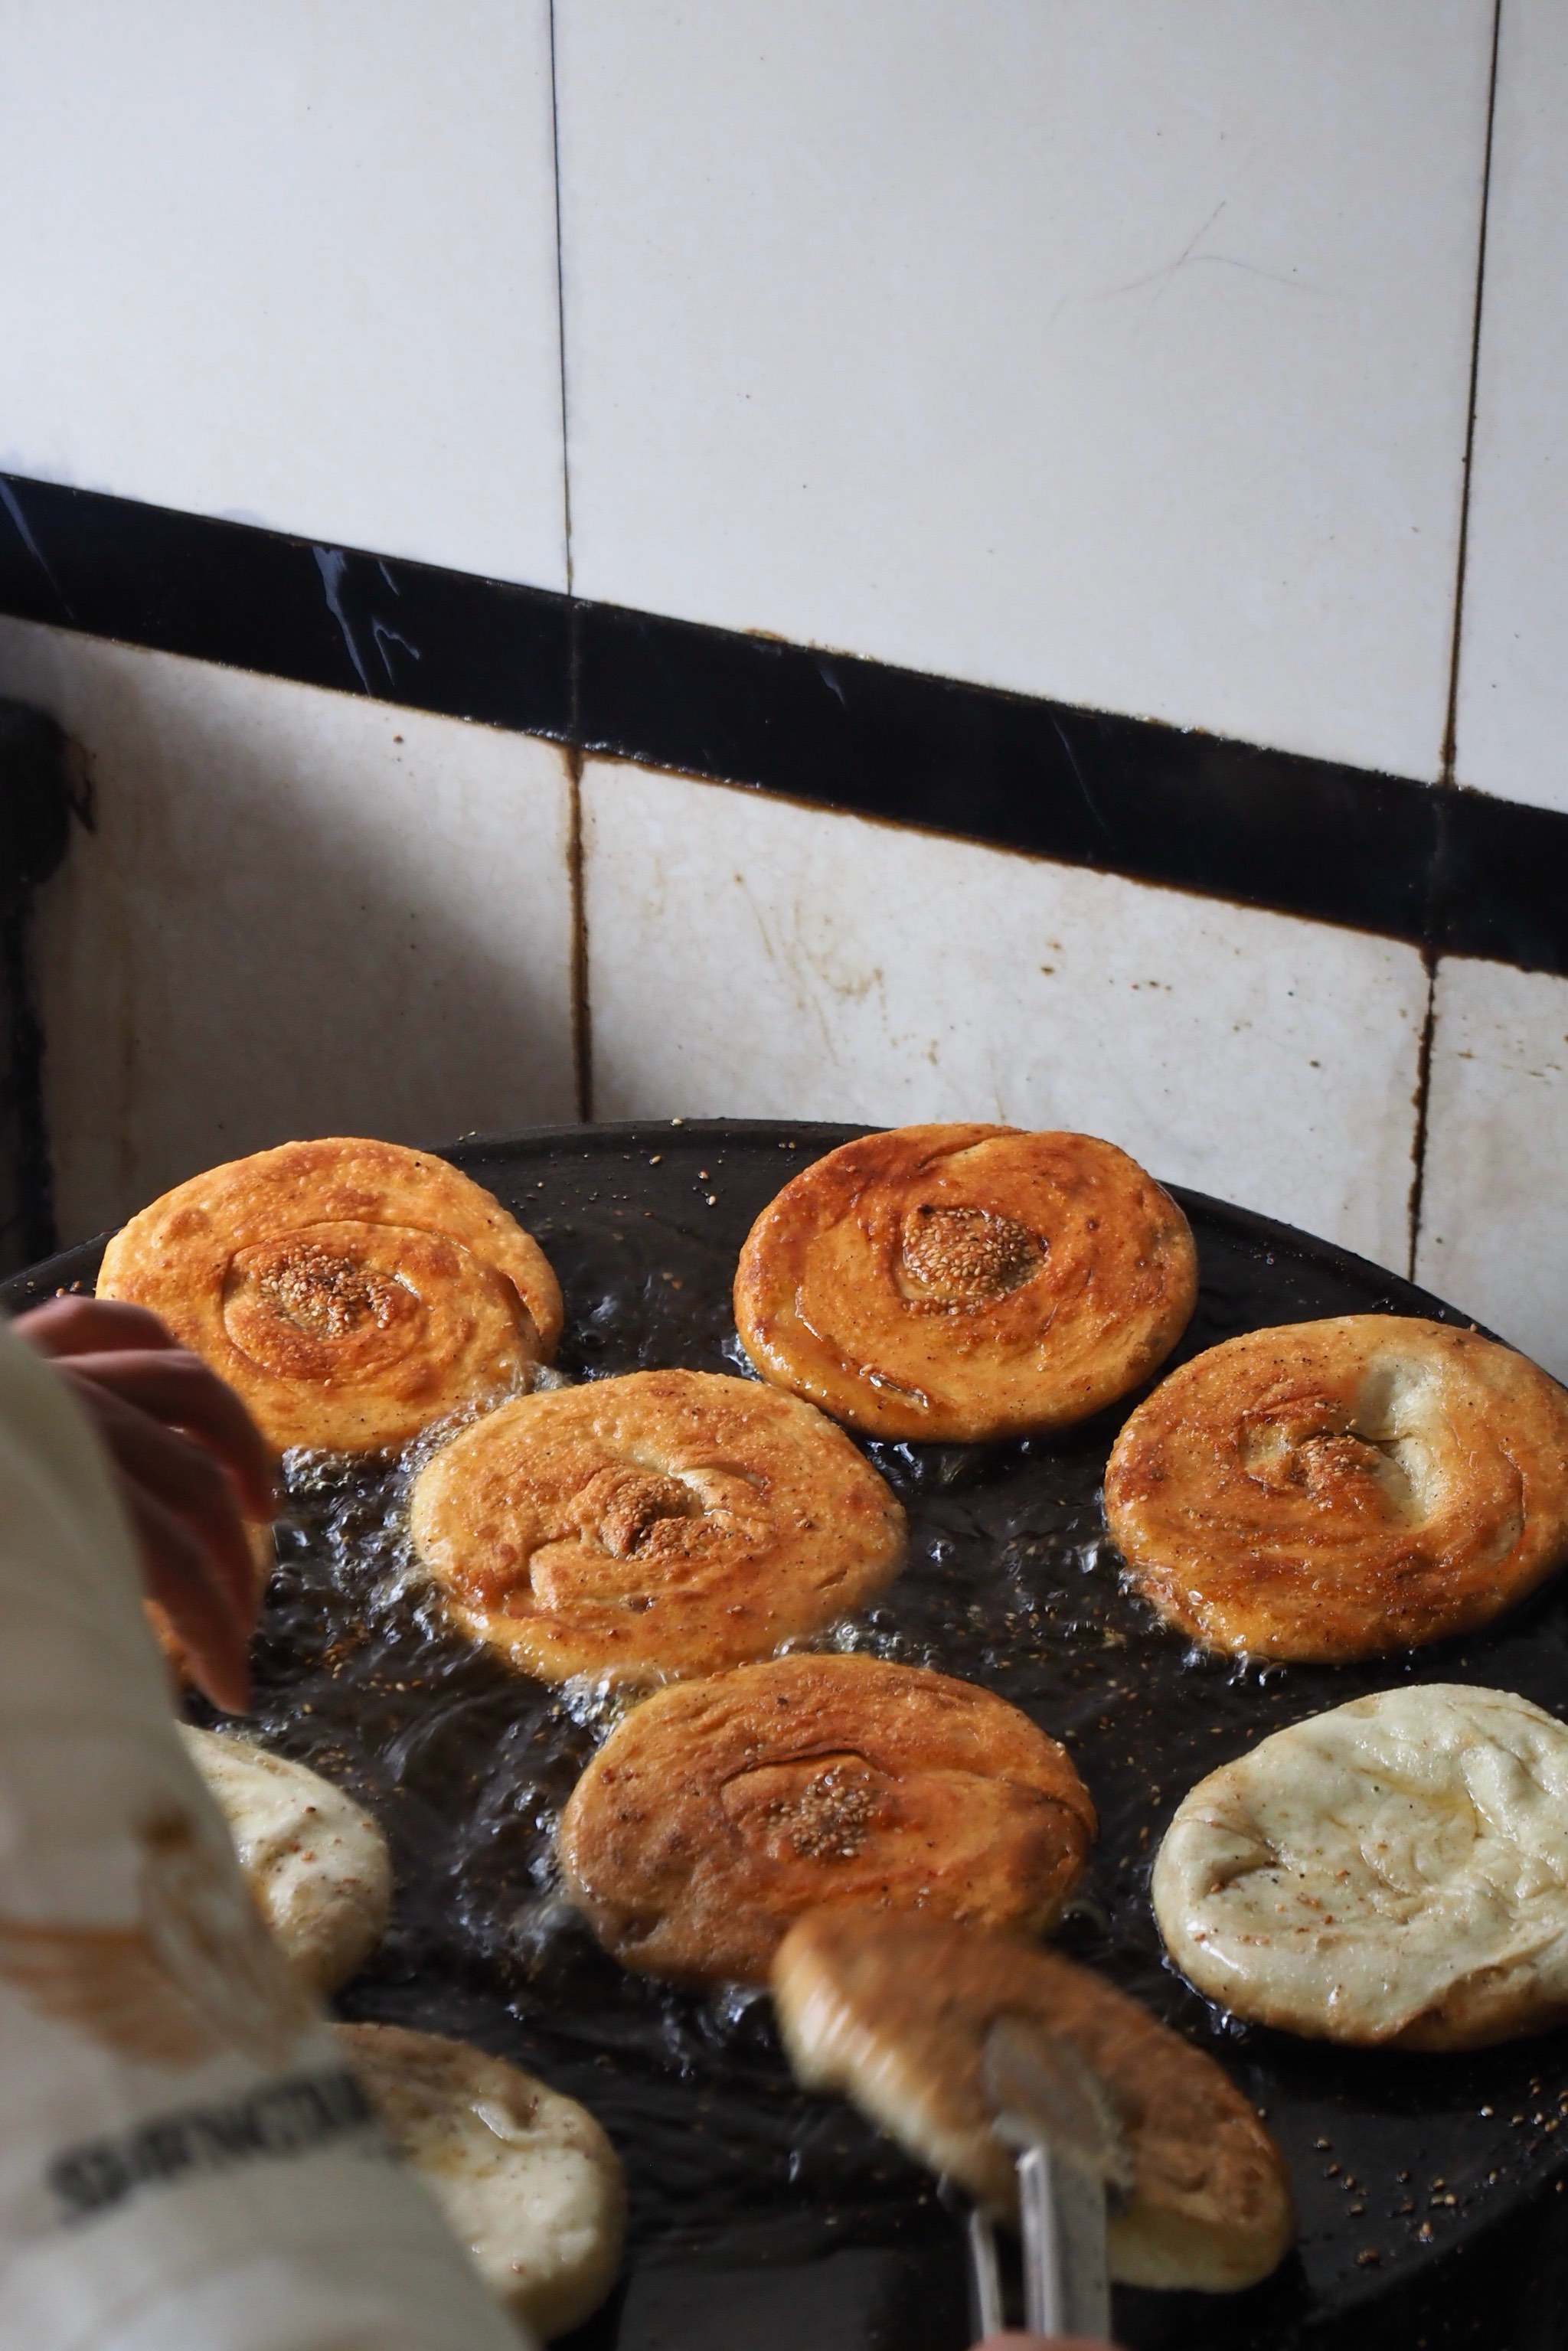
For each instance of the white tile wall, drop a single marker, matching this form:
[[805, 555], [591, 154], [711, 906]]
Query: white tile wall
[[1512, 724], [290, 262], [1117, 354], [1494, 1216], [753, 957], [301, 912]]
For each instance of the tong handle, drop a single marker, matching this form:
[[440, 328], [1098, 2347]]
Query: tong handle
[[1062, 2210], [1044, 2286], [988, 2314]]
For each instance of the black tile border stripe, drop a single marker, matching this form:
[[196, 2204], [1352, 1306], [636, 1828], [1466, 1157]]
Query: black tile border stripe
[[227, 591], [1451, 870]]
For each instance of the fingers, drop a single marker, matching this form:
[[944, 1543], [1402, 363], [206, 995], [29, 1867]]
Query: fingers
[[80, 1326], [211, 1634], [174, 1388], [188, 1483], [1042, 2343], [192, 1463], [128, 1350]]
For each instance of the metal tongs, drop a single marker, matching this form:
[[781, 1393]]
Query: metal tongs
[[1072, 2155]]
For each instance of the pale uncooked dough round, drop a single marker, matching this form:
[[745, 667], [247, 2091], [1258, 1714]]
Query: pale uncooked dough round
[[526, 2177], [316, 1861], [1393, 1871]]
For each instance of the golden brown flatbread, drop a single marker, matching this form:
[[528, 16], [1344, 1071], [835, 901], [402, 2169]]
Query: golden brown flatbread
[[962, 1282], [351, 1292], [1336, 1490], [720, 1811], [663, 1523], [263, 1545], [895, 2012]]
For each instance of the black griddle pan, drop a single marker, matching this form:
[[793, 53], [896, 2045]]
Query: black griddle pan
[[1432, 2192]]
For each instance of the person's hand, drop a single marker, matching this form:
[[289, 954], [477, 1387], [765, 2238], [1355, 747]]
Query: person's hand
[[1042, 2343], [192, 1467]]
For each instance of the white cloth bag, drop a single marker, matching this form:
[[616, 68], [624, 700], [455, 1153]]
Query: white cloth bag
[[185, 2163]]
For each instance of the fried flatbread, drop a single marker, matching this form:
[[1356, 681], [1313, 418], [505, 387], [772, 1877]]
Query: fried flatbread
[[1336, 1490], [315, 1861], [720, 1811], [895, 2012], [964, 1282], [351, 1292], [1394, 1872], [663, 1523]]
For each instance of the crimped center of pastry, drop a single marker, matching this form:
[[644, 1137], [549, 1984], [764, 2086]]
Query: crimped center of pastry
[[1337, 1466], [312, 1304], [1370, 1453], [662, 1531], [814, 1807], [950, 1260], [625, 1509], [829, 1819], [652, 1524], [377, 1326], [319, 1292]]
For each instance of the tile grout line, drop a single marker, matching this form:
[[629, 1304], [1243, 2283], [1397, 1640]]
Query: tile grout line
[[581, 1012], [559, 299], [1446, 780], [1450, 726], [1423, 1097], [581, 1018]]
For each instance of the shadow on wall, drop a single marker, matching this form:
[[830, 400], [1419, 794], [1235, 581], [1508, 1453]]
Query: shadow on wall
[[298, 912]]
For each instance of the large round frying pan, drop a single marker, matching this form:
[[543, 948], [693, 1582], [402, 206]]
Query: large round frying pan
[[1429, 2189]]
